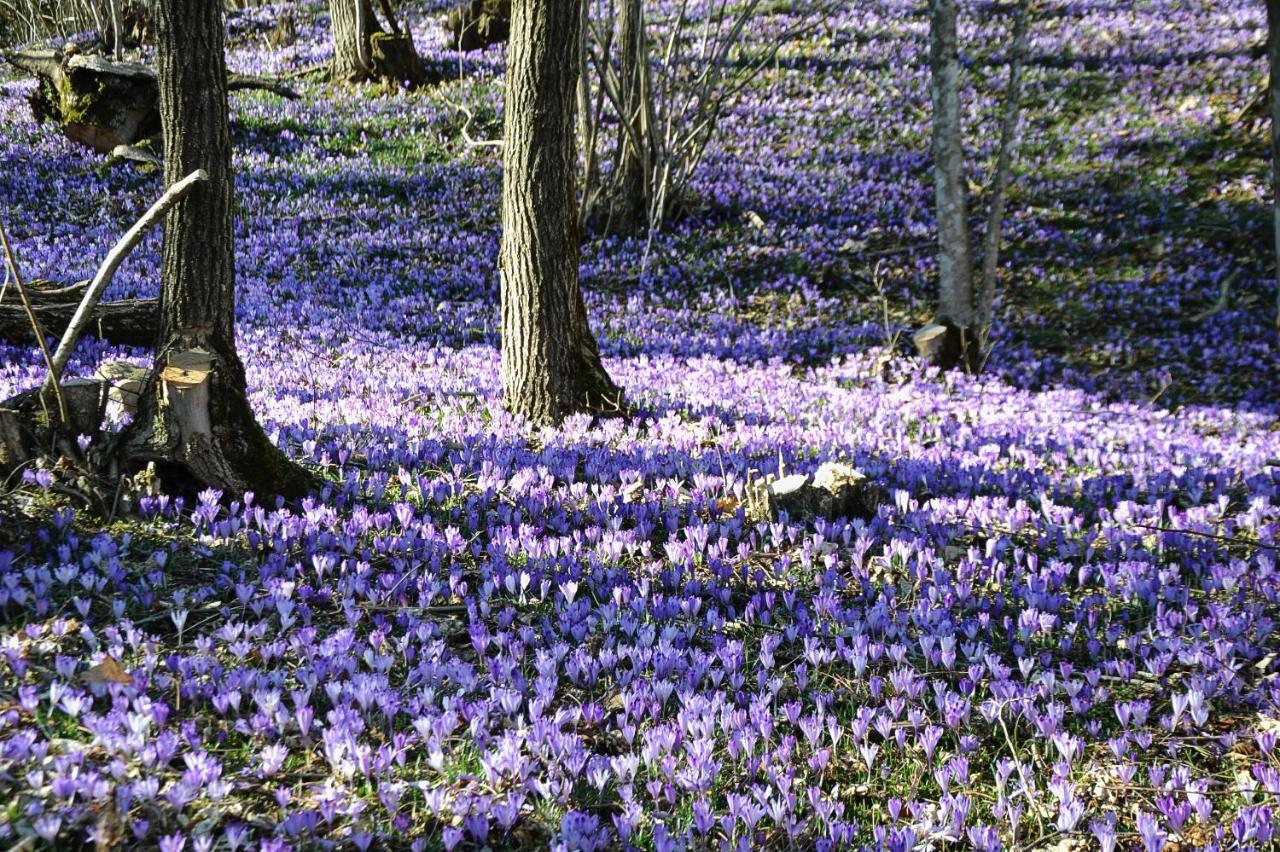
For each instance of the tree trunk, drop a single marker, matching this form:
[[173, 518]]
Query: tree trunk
[[194, 412], [477, 24], [1273, 62], [550, 364], [955, 256], [1004, 165], [629, 208], [353, 25], [363, 51]]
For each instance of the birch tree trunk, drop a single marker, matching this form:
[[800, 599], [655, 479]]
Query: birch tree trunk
[[194, 413], [550, 363], [955, 256]]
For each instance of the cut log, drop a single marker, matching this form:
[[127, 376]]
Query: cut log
[[44, 292], [479, 23], [130, 322], [98, 102], [135, 154], [102, 103], [25, 428], [944, 345], [124, 383]]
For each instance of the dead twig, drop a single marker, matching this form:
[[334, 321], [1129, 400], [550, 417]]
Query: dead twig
[[12, 266]]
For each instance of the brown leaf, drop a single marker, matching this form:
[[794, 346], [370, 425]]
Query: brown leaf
[[107, 671]]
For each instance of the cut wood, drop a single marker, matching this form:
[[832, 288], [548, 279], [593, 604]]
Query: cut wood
[[124, 382], [135, 154], [25, 433], [944, 345]]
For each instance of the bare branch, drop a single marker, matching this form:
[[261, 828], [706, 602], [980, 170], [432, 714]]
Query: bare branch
[[107, 270]]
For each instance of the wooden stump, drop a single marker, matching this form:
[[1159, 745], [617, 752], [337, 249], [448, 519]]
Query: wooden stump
[[29, 422], [479, 23], [97, 102], [394, 57], [946, 346]]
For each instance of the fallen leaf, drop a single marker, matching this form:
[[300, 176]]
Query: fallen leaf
[[107, 671]]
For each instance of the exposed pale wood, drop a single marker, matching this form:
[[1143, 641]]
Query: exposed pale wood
[[135, 154]]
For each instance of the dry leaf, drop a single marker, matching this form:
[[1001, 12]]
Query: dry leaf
[[107, 671]]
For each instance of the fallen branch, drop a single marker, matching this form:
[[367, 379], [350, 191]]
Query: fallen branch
[[243, 82], [1224, 299], [107, 271], [128, 322], [1225, 539]]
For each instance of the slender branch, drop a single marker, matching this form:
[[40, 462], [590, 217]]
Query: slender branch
[[31, 315], [107, 271], [1004, 164]]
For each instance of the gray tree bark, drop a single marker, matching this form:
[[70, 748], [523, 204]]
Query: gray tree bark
[[551, 366], [353, 24], [194, 413], [955, 256], [632, 185], [1004, 165], [1273, 62], [363, 50]]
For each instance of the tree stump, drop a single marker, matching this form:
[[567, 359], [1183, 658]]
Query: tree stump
[[395, 58], [97, 102], [479, 23], [30, 425], [946, 346], [835, 490]]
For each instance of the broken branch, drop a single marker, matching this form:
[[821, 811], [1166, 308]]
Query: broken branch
[[107, 271]]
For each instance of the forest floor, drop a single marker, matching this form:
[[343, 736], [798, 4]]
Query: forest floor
[[1057, 631]]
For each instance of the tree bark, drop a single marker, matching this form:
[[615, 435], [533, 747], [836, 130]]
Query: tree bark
[[550, 363], [194, 412], [353, 24], [130, 322], [363, 50], [629, 208], [1004, 165], [955, 256], [1273, 67]]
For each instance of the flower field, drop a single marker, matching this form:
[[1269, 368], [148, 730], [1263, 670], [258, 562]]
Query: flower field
[[1058, 630]]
